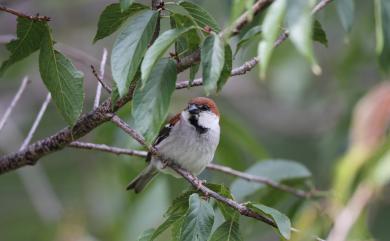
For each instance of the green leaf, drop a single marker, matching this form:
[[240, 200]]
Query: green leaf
[[228, 212], [227, 68], [382, 19], [146, 235], [29, 36], [179, 204], [175, 214], [130, 47], [212, 61], [159, 47], [300, 25], [126, 4], [319, 34], [199, 220], [112, 18], [176, 229], [62, 79], [228, 231], [200, 15], [150, 104], [166, 224], [380, 175], [248, 36], [238, 7], [271, 25], [189, 41], [193, 70], [346, 12], [276, 170], [282, 221]]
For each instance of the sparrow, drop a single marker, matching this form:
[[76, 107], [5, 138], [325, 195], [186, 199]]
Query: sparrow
[[189, 140]]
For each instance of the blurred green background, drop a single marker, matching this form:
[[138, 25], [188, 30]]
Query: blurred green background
[[293, 114]]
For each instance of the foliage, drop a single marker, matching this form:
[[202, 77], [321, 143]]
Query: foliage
[[142, 56]]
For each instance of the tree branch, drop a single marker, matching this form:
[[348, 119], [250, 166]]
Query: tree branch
[[91, 120], [245, 18], [105, 148], [263, 180], [15, 100], [100, 79], [23, 15], [105, 86], [36, 122]]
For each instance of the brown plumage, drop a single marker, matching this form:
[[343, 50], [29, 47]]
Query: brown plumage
[[206, 101]]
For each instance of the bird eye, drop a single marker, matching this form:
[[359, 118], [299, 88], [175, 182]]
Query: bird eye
[[204, 107]]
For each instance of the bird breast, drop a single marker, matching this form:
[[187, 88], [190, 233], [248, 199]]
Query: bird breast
[[188, 148]]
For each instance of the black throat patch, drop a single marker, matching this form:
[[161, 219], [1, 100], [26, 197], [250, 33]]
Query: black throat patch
[[194, 121]]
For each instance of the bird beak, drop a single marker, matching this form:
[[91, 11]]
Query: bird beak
[[193, 109]]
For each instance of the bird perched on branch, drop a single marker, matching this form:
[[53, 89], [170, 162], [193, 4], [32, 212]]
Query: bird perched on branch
[[189, 139]]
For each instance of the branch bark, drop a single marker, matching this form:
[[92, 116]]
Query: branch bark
[[105, 148], [37, 17]]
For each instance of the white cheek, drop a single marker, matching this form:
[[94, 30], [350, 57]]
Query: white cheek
[[208, 120]]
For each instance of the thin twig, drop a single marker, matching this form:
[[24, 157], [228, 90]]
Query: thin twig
[[245, 18], [23, 15], [36, 122], [348, 216], [35, 180], [105, 148], [41, 192], [320, 5], [133, 133], [15, 100], [263, 180], [105, 86], [101, 77]]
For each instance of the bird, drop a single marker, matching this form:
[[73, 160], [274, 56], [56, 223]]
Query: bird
[[189, 140]]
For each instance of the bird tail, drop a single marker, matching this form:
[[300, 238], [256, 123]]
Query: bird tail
[[139, 183]]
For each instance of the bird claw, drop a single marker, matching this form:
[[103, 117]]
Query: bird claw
[[199, 184]]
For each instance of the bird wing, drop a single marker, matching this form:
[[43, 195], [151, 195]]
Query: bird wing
[[164, 133]]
